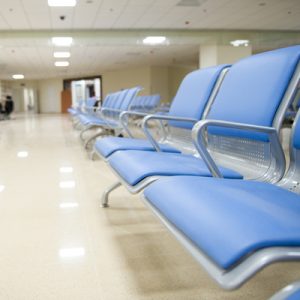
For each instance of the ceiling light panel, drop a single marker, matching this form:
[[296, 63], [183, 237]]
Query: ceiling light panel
[[18, 76], [63, 54], [62, 41], [238, 43], [154, 40], [61, 63], [62, 3]]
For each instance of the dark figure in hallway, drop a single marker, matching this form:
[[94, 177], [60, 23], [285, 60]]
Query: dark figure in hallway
[[8, 106]]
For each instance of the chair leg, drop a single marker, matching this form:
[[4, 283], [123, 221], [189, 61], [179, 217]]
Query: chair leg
[[94, 136], [104, 198], [83, 131], [92, 155]]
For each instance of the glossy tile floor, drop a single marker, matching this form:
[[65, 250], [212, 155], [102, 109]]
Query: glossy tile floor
[[58, 243]]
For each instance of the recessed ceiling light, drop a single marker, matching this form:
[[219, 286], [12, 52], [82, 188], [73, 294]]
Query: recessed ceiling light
[[61, 63], [55, 3], [238, 43], [2, 187], [18, 76], [62, 41], [62, 54], [154, 40]]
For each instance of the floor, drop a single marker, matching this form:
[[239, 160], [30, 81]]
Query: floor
[[58, 243]]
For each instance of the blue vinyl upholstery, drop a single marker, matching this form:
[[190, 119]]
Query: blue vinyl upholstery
[[134, 166], [195, 90], [108, 145], [296, 135], [228, 219], [294, 296], [254, 84], [193, 95]]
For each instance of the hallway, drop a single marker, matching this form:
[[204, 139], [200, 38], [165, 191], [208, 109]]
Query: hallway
[[58, 243]]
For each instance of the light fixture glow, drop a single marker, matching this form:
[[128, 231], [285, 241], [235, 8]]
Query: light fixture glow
[[66, 170], [238, 43], [154, 40], [67, 184], [62, 41], [22, 154], [68, 205], [61, 54], [61, 63], [2, 187], [71, 252], [18, 76], [55, 3]]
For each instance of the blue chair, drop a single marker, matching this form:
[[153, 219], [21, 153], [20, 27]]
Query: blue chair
[[109, 121], [253, 97], [199, 89], [233, 228], [291, 292]]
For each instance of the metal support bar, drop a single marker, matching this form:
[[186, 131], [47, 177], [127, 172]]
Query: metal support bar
[[104, 198], [94, 136], [124, 120], [198, 135], [161, 117]]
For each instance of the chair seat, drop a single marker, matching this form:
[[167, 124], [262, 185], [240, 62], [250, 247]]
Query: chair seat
[[108, 145], [93, 120], [228, 219], [294, 296], [72, 111], [134, 166]]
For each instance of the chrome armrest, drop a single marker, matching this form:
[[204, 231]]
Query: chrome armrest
[[198, 135], [124, 119], [161, 117]]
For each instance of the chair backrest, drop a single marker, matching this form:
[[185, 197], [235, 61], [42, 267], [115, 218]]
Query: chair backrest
[[129, 99], [192, 100], [152, 102], [193, 95], [121, 102], [257, 90], [90, 102]]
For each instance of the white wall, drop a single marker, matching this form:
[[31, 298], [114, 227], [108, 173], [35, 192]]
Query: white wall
[[50, 95]]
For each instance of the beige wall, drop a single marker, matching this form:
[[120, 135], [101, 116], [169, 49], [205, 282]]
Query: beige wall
[[49, 95], [216, 55], [176, 74], [121, 79], [160, 82]]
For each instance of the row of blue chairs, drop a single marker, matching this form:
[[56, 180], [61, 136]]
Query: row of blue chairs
[[106, 118], [217, 176], [148, 103]]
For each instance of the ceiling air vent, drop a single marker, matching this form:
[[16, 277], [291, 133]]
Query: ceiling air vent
[[190, 2]]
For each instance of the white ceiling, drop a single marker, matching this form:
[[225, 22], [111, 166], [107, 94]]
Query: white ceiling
[[107, 33]]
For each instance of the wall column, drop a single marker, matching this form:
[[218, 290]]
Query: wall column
[[212, 55]]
